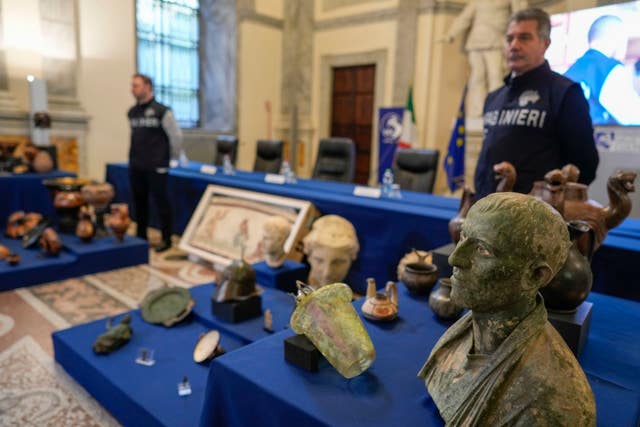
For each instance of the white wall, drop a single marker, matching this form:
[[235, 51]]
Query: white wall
[[107, 61], [272, 8]]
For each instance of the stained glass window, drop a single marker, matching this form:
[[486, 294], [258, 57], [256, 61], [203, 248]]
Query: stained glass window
[[168, 52]]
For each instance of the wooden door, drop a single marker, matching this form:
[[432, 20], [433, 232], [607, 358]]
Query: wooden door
[[352, 112]]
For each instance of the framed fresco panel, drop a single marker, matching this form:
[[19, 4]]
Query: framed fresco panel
[[228, 219]]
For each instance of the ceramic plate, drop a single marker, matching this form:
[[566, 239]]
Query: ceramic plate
[[206, 346]]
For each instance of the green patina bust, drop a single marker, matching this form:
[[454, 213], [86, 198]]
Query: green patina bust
[[503, 363]]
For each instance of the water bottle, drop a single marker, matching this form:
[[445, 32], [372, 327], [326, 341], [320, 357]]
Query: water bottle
[[387, 183], [183, 160], [227, 167], [285, 170]]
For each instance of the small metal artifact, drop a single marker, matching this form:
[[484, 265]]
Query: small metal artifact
[[503, 363], [238, 282], [327, 317], [268, 321], [167, 306], [115, 337], [13, 258], [207, 347], [380, 306]]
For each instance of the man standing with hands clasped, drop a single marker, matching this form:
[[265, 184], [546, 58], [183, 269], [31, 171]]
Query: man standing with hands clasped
[[156, 138], [539, 120]]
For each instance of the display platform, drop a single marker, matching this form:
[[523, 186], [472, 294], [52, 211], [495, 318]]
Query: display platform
[[283, 277], [138, 395], [76, 259], [280, 304], [389, 393], [26, 192]]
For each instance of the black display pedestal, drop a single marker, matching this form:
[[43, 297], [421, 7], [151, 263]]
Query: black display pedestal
[[237, 311], [441, 259], [574, 327], [299, 351]]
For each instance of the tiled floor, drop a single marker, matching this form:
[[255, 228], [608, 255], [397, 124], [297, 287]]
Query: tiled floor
[[35, 391]]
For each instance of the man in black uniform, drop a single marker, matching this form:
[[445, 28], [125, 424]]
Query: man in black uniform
[[539, 120], [155, 139]]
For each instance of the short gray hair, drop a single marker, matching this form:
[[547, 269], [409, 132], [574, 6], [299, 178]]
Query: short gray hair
[[534, 14]]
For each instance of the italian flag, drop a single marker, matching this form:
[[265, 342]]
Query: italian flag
[[409, 136]]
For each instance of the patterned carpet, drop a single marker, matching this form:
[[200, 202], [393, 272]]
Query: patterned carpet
[[34, 391]]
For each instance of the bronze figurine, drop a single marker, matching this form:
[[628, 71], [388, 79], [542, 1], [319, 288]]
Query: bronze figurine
[[503, 363], [115, 337]]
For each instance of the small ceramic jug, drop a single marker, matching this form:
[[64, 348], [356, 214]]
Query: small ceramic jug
[[382, 306]]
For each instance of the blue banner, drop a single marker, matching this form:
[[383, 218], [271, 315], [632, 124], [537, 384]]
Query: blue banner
[[454, 161], [389, 131]]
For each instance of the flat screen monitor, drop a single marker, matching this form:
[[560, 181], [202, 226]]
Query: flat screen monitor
[[600, 49]]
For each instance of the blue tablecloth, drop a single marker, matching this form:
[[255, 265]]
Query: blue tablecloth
[[26, 192], [387, 228], [255, 386], [76, 259], [139, 395]]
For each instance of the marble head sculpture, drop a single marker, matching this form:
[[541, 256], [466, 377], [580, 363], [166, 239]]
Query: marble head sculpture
[[503, 363], [275, 231], [331, 247]]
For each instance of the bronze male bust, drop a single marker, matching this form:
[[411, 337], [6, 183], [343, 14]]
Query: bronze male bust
[[503, 363]]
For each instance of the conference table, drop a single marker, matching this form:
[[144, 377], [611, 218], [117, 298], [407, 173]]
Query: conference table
[[387, 228]]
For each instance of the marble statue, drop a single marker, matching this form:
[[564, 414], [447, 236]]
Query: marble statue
[[275, 231], [331, 247], [503, 363], [485, 21]]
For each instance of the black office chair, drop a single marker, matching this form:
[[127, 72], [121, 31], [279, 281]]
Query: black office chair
[[226, 144], [268, 155], [336, 160], [416, 170]]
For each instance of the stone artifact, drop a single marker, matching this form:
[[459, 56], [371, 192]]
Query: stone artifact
[[275, 232], [118, 220], [167, 306], [86, 229], [419, 276], [441, 303], [207, 347], [327, 317], [50, 242], [503, 363], [238, 282], [98, 195], [331, 247], [485, 21], [115, 337], [381, 306], [455, 223], [67, 200], [572, 284]]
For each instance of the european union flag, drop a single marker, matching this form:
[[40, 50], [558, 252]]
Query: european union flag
[[454, 161]]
